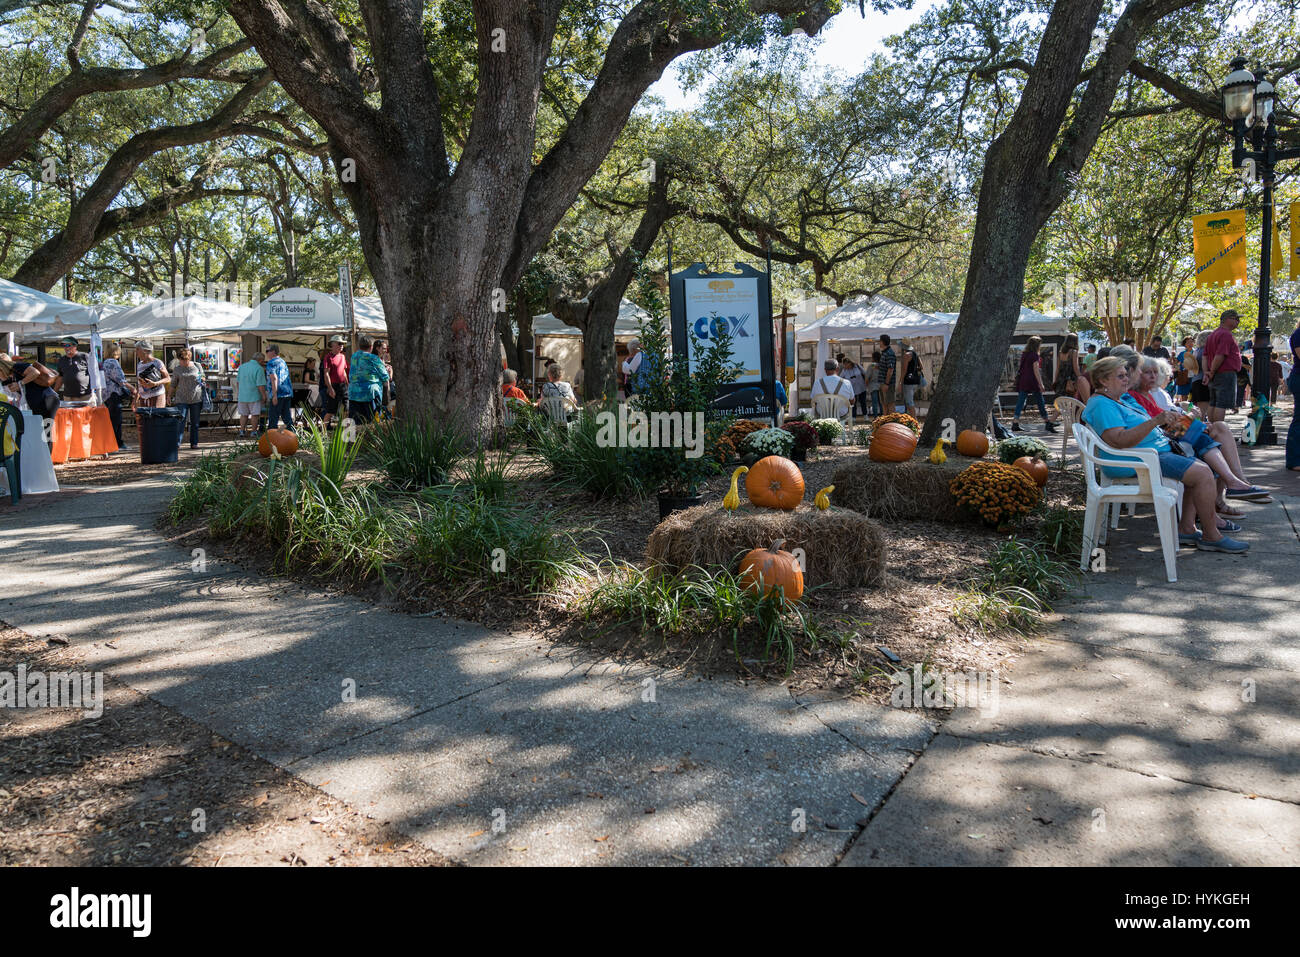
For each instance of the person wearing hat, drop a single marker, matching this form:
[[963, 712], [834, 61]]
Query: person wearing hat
[[334, 379], [73, 378], [151, 377]]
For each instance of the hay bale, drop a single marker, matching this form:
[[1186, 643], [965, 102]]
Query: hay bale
[[250, 469], [901, 490], [840, 546]]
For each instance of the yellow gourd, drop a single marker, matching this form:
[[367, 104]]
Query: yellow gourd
[[937, 456], [823, 498], [731, 501]]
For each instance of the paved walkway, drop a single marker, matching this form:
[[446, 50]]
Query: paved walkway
[[1125, 740], [454, 729], [1159, 724]]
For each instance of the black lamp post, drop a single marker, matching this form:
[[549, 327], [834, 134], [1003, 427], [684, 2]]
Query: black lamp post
[[1248, 103]]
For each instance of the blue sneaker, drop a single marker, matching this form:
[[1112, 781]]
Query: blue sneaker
[[1225, 544], [1188, 539]]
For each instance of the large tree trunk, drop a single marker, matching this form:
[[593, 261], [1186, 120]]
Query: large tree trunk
[[1024, 183]]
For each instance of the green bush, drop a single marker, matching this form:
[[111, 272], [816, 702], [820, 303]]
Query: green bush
[[696, 602], [415, 452], [580, 457], [828, 430]]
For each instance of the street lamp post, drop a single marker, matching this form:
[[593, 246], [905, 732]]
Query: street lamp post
[[1248, 100]]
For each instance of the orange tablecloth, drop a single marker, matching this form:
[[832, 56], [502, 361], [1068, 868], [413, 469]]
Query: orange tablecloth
[[82, 432]]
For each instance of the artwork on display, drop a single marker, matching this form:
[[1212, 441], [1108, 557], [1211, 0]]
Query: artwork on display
[[171, 354], [208, 358], [234, 356]]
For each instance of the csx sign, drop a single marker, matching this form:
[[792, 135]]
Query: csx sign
[[707, 327]]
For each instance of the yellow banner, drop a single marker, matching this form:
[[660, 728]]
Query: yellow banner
[[1294, 244], [1276, 260], [1219, 247]]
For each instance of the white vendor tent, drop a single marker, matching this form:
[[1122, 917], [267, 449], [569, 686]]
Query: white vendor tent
[[27, 313], [191, 317], [1031, 323], [628, 323], [312, 312], [865, 319]]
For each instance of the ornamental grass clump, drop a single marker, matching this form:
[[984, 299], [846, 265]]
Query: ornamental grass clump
[[768, 442], [996, 492]]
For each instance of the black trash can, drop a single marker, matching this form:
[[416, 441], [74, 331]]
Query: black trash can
[[160, 434]]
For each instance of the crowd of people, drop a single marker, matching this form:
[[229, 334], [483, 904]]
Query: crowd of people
[[359, 387]]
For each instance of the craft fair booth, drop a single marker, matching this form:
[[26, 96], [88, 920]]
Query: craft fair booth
[[1052, 329], [552, 339], [854, 331]]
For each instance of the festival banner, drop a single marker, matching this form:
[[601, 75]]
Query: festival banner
[[1294, 244], [1219, 248], [1277, 262]]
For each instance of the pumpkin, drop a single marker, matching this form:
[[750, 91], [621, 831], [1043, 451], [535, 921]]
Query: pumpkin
[[891, 442], [973, 443], [283, 440], [1035, 468], [774, 482], [764, 569]]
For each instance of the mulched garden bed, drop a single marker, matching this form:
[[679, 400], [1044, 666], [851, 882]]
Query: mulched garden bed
[[910, 614]]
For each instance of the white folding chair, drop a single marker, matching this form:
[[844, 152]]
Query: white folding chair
[[828, 406], [1145, 486], [1071, 410]]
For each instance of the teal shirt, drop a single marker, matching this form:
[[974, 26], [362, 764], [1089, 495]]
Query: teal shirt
[[367, 377], [1102, 413], [250, 376]]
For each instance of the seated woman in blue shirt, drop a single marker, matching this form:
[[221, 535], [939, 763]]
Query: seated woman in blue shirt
[[1124, 427]]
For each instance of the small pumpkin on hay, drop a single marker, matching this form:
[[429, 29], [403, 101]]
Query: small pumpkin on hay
[[775, 482], [765, 569]]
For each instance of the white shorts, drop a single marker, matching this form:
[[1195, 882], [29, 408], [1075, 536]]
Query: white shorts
[[250, 408]]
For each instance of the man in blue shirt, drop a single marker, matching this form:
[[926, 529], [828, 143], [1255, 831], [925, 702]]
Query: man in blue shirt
[[279, 389], [366, 382]]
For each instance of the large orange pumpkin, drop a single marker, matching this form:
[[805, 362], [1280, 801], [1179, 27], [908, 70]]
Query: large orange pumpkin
[[765, 568], [282, 439], [774, 482], [973, 443], [1034, 467], [891, 442]]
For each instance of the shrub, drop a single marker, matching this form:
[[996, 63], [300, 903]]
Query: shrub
[[768, 442], [997, 492], [1008, 450], [205, 487], [580, 459], [698, 602], [828, 430], [805, 436], [415, 452], [728, 445], [862, 436]]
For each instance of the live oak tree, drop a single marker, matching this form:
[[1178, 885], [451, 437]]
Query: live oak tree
[[448, 228], [1047, 122]]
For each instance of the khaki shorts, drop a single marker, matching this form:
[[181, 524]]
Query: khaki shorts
[[250, 408]]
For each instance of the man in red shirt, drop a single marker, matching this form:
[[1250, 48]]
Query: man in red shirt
[[334, 378], [1221, 365]]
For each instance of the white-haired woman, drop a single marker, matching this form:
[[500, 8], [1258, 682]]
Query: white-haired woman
[[1125, 426]]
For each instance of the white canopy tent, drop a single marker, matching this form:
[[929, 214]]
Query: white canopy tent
[[27, 313], [628, 323], [192, 317], [311, 312], [1031, 323], [868, 319]]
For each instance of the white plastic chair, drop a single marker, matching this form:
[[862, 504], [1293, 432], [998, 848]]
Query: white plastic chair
[[556, 407], [510, 415], [1146, 486], [828, 406], [1071, 410]]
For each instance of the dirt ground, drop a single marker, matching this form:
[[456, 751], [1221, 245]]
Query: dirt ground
[[125, 790]]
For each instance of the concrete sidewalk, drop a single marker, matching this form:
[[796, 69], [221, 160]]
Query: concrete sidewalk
[[489, 747], [1158, 725]]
